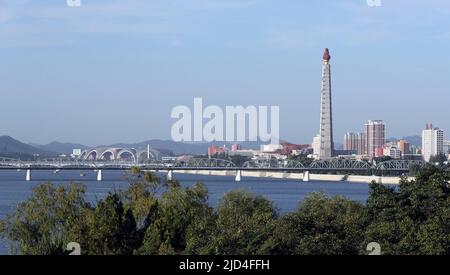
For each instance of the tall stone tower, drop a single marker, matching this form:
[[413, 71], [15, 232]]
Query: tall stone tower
[[326, 114]]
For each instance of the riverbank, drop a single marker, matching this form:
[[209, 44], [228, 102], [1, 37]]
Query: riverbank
[[297, 176]]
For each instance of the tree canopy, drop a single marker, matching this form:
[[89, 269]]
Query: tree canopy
[[159, 217]]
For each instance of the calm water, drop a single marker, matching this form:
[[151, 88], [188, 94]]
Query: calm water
[[286, 194]]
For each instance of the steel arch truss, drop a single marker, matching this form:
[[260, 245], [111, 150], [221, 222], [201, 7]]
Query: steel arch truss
[[340, 164], [400, 165], [294, 164], [204, 163], [262, 164], [274, 164]]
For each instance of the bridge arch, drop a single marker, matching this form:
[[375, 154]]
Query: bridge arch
[[142, 154], [83, 155], [93, 154], [131, 152], [108, 152]]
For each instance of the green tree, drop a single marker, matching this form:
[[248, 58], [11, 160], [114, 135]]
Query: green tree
[[242, 226], [141, 196], [111, 229], [159, 217], [239, 160], [414, 169], [46, 222], [178, 209], [321, 226], [440, 158], [303, 159], [413, 218]]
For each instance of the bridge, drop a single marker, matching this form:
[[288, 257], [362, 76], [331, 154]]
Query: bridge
[[120, 154], [212, 164]]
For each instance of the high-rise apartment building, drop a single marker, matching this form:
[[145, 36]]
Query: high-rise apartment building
[[316, 146], [375, 136], [351, 142], [432, 142], [361, 146], [355, 142]]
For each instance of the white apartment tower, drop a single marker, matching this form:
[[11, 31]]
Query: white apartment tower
[[432, 142]]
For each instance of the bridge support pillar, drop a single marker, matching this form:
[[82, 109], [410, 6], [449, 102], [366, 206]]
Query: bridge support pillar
[[238, 176], [170, 175], [99, 175], [306, 176], [28, 176]]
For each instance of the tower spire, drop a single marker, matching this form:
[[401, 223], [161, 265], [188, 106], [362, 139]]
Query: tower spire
[[326, 55], [326, 114]]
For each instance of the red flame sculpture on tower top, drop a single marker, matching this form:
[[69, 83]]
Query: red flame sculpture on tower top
[[326, 55]]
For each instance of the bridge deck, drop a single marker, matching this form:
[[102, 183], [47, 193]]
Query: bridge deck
[[220, 165]]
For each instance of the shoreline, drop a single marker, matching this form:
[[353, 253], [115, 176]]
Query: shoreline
[[298, 176]]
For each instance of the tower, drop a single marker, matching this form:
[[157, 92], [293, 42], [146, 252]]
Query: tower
[[326, 117], [375, 136], [432, 142]]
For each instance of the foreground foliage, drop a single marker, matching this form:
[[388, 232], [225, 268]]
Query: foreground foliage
[[156, 217]]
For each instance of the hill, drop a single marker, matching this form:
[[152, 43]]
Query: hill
[[10, 147], [60, 148]]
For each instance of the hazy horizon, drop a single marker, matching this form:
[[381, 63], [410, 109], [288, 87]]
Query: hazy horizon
[[111, 71]]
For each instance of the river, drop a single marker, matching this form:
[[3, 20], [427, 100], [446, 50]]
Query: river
[[284, 193]]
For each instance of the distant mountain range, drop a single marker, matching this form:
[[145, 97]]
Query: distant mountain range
[[59, 147], [13, 148], [413, 140], [10, 147]]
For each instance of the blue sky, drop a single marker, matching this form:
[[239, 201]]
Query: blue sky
[[111, 71]]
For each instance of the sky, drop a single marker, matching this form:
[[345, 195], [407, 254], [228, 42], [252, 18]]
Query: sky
[[112, 70]]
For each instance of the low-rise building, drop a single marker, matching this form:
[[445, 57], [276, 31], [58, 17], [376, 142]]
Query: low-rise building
[[235, 147], [404, 147], [76, 152], [271, 148], [244, 153], [392, 151], [217, 150]]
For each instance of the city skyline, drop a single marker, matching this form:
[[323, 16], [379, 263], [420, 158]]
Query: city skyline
[[203, 129], [95, 74]]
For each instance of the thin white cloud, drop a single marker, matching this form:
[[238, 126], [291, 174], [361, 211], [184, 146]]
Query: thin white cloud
[[21, 19], [358, 24]]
